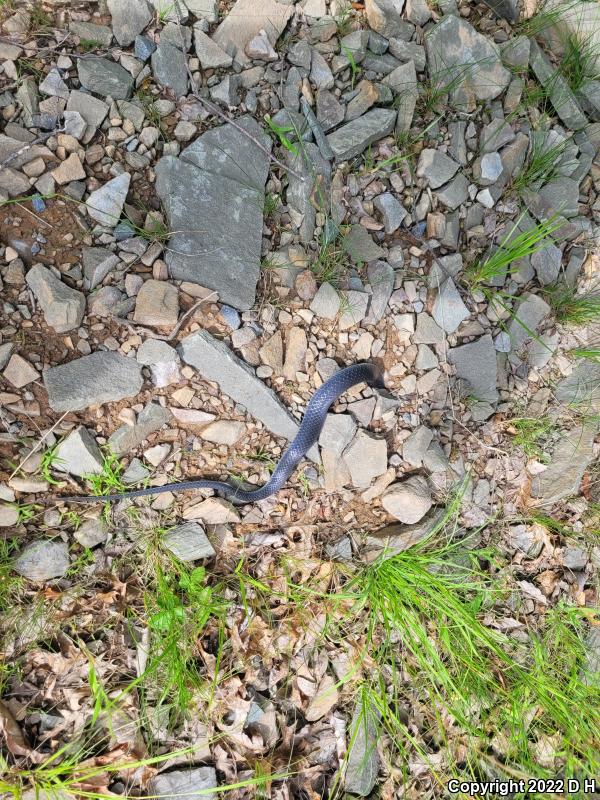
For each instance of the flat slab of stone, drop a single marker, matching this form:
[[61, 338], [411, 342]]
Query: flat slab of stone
[[245, 21], [476, 363], [562, 98], [62, 306], [104, 77], [215, 362], [581, 388], [363, 759], [129, 17], [128, 437], [351, 139], [213, 196], [106, 203], [42, 560], [570, 459], [184, 784], [92, 380], [188, 542], [78, 454], [455, 50]]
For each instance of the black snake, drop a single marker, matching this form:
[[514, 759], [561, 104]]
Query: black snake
[[307, 436]]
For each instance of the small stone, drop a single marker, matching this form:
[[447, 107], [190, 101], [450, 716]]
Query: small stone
[[129, 18], [54, 85], [476, 363], [365, 458], [326, 302], [163, 360], [128, 437], [436, 167], [362, 766], [78, 454], [260, 48], [224, 431], [448, 309], [385, 16], [306, 285], [185, 783], [352, 138], [212, 511], [19, 372], [43, 560], [337, 433], [355, 309], [427, 330], [157, 304], [105, 205], [417, 444], [547, 262], [487, 169], [360, 245], [381, 279], [271, 353], [104, 77], [211, 56], [188, 542], [9, 516], [455, 193], [391, 210], [91, 533], [330, 112], [62, 306], [409, 500]]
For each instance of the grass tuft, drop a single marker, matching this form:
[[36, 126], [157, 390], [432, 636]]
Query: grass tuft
[[543, 164], [571, 307]]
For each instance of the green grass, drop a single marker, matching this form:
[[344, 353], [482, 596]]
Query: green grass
[[578, 62], [40, 21], [543, 164], [270, 205], [354, 68], [530, 434], [332, 261], [10, 584], [433, 92], [589, 353], [571, 307], [89, 44], [179, 607], [545, 17], [512, 248], [280, 134], [48, 460], [151, 111], [343, 20], [110, 480]]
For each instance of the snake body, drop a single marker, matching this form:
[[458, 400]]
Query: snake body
[[307, 436]]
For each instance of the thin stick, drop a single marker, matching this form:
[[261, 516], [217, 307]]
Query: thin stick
[[177, 327], [38, 445]]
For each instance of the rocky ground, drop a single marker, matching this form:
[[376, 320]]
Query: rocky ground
[[206, 209]]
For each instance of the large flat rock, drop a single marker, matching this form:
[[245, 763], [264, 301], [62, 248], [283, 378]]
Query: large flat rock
[[215, 362], [468, 62], [245, 21], [570, 459], [213, 196], [351, 139], [92, 380]]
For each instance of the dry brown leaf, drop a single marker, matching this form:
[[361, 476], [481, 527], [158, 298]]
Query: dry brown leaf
[[15, 741], [324, 700]]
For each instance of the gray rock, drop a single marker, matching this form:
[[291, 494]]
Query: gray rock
[[204, 9], [54, 85], [448, 309], [105, 205], [245, 20], [515, 52], [227, 92], [92, 380], [417, 444], [326, 303], [509, 9], [91, 533], [561, 96], [43, 560], [290, 94], [476, 363], [157, 304], [591, 669], [487, 169], [78, 454], [330, 112], [188, 542], [129, 17], [356, 44], [359, 244], [581, 388], [355, 309], [403, 82], [526, 539], [575, 558], [90, 108], [5, 353], [436, 167], [541, 349], [62, 306], [340, 550], [455, 193], [97, 263], [220, 179], [385, 16], [92, 32], [427, 330], [352, 138], [365, 458], [409, 500], [570, 459], [144, 47], [418, 11], [362, 765], [588, 96], [426, 358], [337, 433], [313, 168], [382, 65], [215, 362], [445, 267], [163, 361], [457, 52], [183, 784], [320, 73], [560, 196], [528, 314], [224, 431], [409, 51], [391, 211], [397, 538], [209, 53], [381, 279], [495, 135], [104, 77], [169, 61], [546, 263], [300, 54], [128, 437], [27, 97], [136, 472]]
